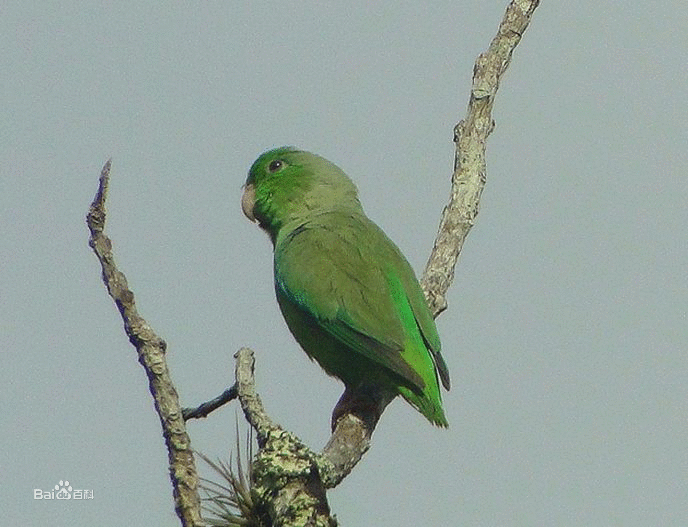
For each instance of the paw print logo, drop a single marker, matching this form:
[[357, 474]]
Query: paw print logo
[[64, 490]]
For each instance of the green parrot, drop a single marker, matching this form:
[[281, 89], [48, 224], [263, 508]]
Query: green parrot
[[347, 293]]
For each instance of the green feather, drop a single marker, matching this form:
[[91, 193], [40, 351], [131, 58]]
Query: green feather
[[347, 293]]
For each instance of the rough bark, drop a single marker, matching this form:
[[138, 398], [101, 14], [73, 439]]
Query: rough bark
[[151, 354], [290, 480], [470, 137]]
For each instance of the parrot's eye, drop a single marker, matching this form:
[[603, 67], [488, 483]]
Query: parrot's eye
[[275, 165]]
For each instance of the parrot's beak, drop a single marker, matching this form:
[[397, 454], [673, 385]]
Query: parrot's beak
[[248, 200]]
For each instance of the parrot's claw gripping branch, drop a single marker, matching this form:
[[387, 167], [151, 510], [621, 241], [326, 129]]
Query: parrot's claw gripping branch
[[351, 432], [303, 475], [287, 474], [285, 471], [350, 438]]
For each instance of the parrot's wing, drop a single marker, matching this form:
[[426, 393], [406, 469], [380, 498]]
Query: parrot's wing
[[426, 323], [345, 273], [408, 290]]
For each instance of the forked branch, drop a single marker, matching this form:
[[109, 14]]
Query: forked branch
[[290, 478]]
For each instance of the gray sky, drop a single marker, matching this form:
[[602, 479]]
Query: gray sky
[[566, 333]]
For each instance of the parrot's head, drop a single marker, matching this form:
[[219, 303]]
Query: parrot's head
[[286, 186]]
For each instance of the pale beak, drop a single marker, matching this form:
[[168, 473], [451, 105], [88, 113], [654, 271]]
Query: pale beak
[[248, 200]]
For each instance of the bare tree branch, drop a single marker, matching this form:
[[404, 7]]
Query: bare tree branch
[[290, 479], [204, 409], [470, 136], [351, 438], [285, 471], [151, 352]]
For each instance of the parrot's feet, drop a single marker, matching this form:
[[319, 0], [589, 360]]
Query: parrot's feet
[[365, 402]]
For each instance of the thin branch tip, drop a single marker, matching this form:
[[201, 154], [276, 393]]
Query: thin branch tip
[[151, 354], [290, 478], [204, 409], [470, 137]]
